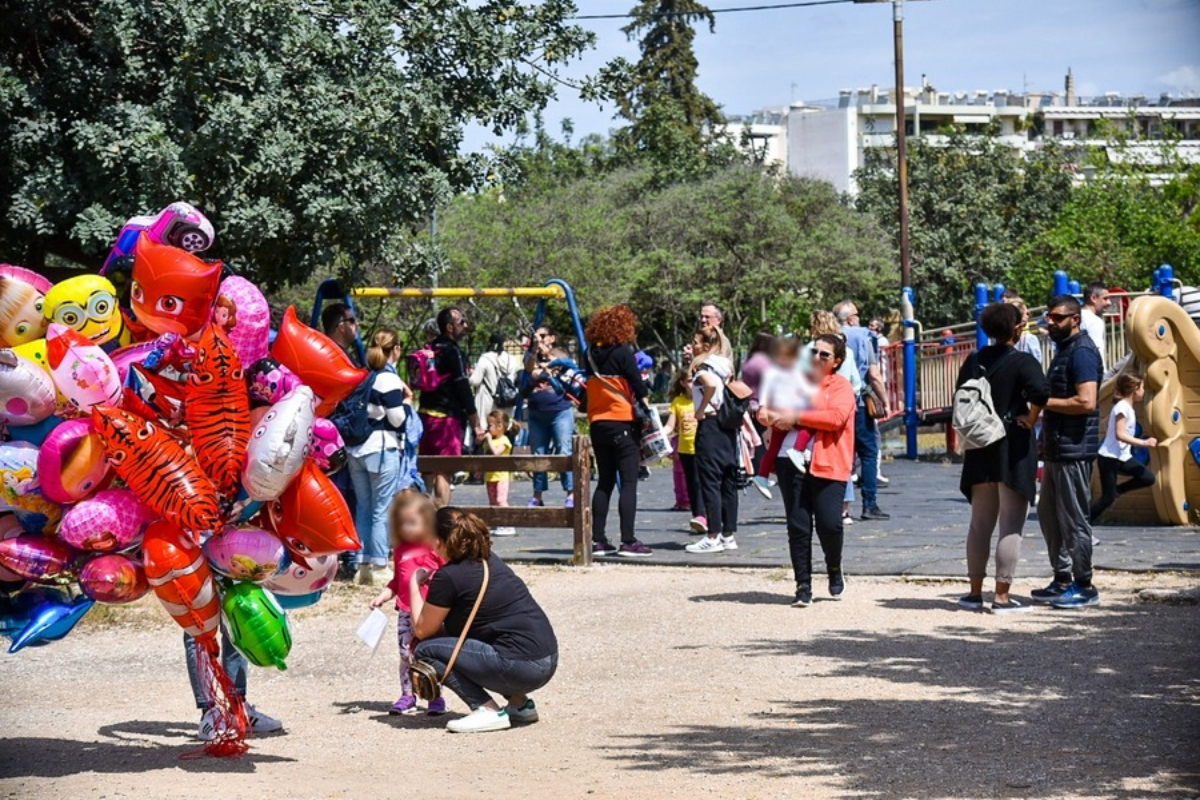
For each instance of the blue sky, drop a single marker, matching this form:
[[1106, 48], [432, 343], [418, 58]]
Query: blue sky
[[771, 58]]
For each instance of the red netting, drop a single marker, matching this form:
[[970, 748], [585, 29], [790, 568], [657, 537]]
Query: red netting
[[222, 695]]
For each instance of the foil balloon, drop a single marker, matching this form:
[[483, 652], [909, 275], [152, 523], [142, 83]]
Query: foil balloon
[[126, 357], [10, 527], [50, 621], [36, 558], [71, 462], [257, 625], [17, 610], [158, 469], [217, 410], [242, 312], [279, 445], [88, 305], [245, 554], [317, 360], [22, 299], [83, 373], [34, 434], [311, 516], [172, 290], [301, 580], [269, 381], [27, 394], [181, 579], [293, 602], [111, 520], [21, 486], [113, 579], [326, 447]]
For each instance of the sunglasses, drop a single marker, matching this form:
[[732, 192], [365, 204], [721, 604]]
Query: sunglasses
[[350, 320], [1056, 318], [824, 355]]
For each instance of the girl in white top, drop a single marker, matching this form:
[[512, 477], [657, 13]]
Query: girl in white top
[[1116, 451]]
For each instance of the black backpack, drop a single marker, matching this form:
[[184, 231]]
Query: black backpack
[[350, 417], [732, 411], [505, 394]]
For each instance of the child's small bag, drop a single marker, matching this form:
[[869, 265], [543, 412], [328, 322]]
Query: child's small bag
[[975, 418], [426, 682]]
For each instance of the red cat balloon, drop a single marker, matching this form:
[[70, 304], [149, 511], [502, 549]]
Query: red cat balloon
[[172, 290]]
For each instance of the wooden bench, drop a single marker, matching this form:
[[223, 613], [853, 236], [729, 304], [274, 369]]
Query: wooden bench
[[579, 518]]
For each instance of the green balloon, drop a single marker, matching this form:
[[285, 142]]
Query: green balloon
[[257, 625]]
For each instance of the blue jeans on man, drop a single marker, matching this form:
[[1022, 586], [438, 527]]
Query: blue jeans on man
[[866, 447]]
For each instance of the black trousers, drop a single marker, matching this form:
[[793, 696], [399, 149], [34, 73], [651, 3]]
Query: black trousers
[[811, 502], [716, 468], [618, 452], [1110, 468], [692, 478]]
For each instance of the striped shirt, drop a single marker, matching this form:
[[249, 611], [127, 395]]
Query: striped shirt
[[387, 411]]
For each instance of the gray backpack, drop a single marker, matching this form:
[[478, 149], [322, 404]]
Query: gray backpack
[[975, 418]]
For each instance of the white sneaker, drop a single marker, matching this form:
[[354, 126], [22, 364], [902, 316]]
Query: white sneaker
[[261, 722], [481, 720], [210, 726], [709, 544], [763, 485], [525, 714], [847, 518], [504, 530], [799, 459], [881, 480], [727, 542]]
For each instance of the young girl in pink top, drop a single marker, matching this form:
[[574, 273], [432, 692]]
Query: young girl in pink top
[[411, 535]]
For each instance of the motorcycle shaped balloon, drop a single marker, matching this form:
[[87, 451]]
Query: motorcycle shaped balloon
[[311, 516], [257, 625], [217, 410], [27, 393], [82, 372], [111, 520], [71, 462], [279, 445], [317, 360], [245, 554], [114, 579]]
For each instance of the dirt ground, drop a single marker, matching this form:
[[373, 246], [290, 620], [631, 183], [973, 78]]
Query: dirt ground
[[673, 683]]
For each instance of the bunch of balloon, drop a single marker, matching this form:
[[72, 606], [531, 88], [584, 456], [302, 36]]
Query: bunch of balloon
[[153, 439]]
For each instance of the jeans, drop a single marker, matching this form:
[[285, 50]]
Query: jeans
[[992, 503], [480, 669], [717, 475], [809, 502], [375, 477], [557, 427], [1063, 514], [1110, 468], [233, 662], [866, 447], [618, 451]]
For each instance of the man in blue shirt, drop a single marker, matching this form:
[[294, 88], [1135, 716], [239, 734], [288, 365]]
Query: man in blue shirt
[[866, 440]]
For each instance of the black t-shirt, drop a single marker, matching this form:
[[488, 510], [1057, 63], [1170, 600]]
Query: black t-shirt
[[509, 618]]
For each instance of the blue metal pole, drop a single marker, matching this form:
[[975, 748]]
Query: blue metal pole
[[998, 292], [981, 301], [911, 419], [1061, 283], [1166, 277], [1073, 287]]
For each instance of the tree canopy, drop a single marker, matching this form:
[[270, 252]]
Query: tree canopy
[[312, 134]]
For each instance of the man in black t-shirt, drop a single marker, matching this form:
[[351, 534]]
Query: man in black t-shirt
[[447, 410]]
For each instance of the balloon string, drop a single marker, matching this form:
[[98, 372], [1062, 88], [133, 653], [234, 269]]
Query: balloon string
[[221, 694]]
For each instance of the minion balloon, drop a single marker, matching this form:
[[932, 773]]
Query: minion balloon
[[88, 304]]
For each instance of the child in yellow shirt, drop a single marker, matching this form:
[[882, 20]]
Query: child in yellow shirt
[[498, 444], [682, 418]]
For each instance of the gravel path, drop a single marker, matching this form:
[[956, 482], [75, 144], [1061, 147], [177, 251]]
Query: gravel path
[[674, 683]]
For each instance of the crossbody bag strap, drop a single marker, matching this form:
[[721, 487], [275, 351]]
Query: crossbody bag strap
[[462, 637]]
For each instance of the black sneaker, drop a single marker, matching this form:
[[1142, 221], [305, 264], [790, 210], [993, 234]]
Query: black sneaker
[[971, 602], [1051, 592], [1011, 607], [874, 513], [604, 548], [803, 597], [634, 549], [837, 585]]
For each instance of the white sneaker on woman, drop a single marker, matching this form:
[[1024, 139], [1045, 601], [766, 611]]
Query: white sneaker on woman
[[481, 720], [709, 544], [727, 541]]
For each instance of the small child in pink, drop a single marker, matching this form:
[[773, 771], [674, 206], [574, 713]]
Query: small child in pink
[[412, 538]]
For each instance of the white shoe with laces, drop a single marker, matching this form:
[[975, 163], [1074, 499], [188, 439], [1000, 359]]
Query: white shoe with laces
[[481, 720], [504, 530], [727, 541], [210, 726], [261, 722], [709, 544]]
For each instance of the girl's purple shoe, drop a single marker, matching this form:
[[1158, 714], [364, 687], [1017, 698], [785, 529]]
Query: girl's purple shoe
[[405, 705], [437, 707]]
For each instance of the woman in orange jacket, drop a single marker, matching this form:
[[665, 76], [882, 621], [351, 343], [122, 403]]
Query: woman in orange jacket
[[816, 496]]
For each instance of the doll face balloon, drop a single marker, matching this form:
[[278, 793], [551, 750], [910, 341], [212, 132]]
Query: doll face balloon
[[83, 373], [305, 579], [172, 291], [21, 486], [242, 312], [326, 447], [27, 394], [279, 445], [113, 579], [22, 298], [71, 462], [317, 360], [112, 520], [245, 554], [88, 305]]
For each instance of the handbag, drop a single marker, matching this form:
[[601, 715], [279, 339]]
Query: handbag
[[425, 681], [876, 409]]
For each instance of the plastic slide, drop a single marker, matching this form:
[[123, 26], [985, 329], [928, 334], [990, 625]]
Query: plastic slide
[[1165, 344]]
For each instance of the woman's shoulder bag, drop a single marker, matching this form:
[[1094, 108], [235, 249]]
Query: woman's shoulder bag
[[425, 681]]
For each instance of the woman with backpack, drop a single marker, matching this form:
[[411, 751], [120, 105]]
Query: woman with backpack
[[550, 412], [1000, 479], [375, 462], [494, 378]]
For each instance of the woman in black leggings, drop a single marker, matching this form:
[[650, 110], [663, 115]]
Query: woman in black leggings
[[613, 388], [716, 448]]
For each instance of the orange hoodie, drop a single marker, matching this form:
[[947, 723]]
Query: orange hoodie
[[832, 417]]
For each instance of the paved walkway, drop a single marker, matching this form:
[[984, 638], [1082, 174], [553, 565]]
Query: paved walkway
[[925, 535]]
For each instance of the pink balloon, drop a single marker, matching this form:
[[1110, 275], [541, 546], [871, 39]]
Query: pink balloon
[[245, 554], [126, 357], [10, 527], [36, 558], [242, 311], [113, 579], [83, 373], [300, 579], [324, 443], [112, 520], [71, 463]]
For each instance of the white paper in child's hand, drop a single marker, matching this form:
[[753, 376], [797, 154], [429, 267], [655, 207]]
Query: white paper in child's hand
[[372, 628]]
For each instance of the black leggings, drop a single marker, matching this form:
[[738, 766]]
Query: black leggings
[[716, 468], [618, 451], [809, 501], [692, 478], [1139, 478]]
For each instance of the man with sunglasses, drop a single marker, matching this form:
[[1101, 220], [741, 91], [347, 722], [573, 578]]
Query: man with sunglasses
[[1070, 441], [340, 324]]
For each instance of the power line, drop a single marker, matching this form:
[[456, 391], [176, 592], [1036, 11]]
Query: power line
[[806, 4]]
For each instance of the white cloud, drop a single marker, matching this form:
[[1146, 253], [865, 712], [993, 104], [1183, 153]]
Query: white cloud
[[1183, 79]]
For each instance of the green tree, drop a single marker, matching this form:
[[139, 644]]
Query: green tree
[[312, 134], [974, 202]]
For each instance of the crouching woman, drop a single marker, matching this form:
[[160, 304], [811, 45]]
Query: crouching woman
[[509, 648]]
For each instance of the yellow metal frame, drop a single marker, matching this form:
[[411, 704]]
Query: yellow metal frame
[[552, 292]]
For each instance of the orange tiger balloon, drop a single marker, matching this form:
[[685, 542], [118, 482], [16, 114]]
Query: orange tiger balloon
[[217, 409], [157, 469], [181, 579]]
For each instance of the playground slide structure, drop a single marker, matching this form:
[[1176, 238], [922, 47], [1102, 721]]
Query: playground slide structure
[[1165, 347]]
